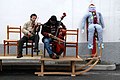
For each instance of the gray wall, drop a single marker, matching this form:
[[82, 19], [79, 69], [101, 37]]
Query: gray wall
[[111, 52]]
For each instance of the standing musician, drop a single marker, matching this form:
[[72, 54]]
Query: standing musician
[[49, 29], [29, 30], [95, 23]]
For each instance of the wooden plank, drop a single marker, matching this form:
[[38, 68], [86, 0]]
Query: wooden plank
[[11, 40], [73, 68], [62, 59], [22, 58], [61, 73], [42, 68]]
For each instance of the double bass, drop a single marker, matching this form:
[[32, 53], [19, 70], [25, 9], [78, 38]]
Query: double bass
[[58, 45]]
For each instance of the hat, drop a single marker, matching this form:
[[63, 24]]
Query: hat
[[53, 18], [92, 7]]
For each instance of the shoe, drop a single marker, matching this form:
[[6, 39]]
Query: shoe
[[36, 50], [57, 56], [102, 45], [99, 61], [87, 61], [90, 46], [19, 55], [53, 56]]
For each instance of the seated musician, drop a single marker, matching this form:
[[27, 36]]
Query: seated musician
[[29, 30], [95, 22], [51, 27]]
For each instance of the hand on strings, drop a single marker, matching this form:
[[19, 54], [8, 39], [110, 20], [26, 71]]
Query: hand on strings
[[39, 24], [29, 34], [50, 35]]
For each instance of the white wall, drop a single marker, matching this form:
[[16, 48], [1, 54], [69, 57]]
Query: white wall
[[17, 12]]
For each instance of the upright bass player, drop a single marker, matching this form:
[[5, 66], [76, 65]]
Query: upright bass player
[[50, 29]]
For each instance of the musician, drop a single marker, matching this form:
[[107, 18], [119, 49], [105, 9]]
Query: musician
[[29, 30], [50, 27], [95, 22]]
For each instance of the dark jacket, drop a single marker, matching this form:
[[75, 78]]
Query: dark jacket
[[49, 28]]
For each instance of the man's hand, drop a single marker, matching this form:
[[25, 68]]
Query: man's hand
[[50, 35], [54, 37], [29, 34], [39, 24]]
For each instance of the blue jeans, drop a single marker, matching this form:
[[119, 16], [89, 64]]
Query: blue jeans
[[47, 45], [91, 30]]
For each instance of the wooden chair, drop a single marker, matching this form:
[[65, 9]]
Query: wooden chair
[[73, 36], [29, 44], [11, 42]]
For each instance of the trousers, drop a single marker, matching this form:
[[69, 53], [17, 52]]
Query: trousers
[[24, 39], [47, 45], [91, 30]]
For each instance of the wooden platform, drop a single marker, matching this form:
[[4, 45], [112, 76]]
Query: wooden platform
[[15, 58], [71, 59], [68, 58]]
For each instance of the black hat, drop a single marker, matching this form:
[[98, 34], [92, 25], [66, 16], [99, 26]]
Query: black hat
[[53, 18]]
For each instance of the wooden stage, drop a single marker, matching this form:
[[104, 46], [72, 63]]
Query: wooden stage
[[72, 60], [15, 58]]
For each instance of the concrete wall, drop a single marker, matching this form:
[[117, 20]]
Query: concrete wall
[[111, 52]]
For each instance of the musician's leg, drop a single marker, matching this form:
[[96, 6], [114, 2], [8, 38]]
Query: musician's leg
[[100, 37], [48, 47], [46, 42], [91, 31], [20, 46], [36, 40]]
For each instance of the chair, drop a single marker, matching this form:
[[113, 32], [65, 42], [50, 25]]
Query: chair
[[70, 34], [14, 42], [11, 42], [29, 44]]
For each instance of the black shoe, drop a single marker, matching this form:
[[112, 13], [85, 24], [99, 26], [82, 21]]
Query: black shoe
[[87, 61], [36, 50], [57, 56], [53, 56], [19, 55]]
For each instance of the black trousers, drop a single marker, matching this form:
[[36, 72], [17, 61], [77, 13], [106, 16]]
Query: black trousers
[[24, 39]]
